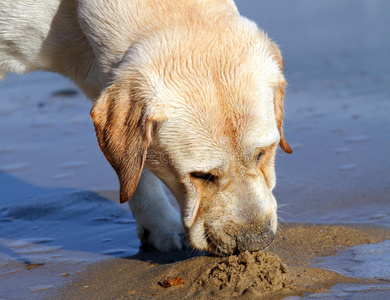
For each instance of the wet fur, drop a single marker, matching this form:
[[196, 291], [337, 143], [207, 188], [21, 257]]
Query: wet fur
[[178, 86]]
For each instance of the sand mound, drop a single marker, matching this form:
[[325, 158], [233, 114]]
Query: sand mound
[[245, 273]]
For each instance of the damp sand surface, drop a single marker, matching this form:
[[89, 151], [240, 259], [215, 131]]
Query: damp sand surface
[[286, 269]]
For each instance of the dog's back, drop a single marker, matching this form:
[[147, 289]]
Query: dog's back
[[45, 35], [24, 27]]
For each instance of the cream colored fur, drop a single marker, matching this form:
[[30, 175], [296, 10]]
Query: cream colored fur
[[190, 90]]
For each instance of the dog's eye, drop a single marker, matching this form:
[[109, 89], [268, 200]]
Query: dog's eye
[[204, 176], [258, 156]]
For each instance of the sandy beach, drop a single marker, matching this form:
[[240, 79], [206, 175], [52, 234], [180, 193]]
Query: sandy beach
[[64, 235], [284, 270]]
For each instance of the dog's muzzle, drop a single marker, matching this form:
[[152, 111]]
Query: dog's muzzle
[[250, 241]]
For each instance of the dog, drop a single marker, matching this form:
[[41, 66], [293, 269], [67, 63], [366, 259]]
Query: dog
[[186, 93]]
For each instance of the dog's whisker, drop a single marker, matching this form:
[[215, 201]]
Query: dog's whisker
[[282, 222], [291, 215], [286, 204], [280, 232]]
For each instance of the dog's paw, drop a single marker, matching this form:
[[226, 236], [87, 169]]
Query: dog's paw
[[163, 242], [165, 237]]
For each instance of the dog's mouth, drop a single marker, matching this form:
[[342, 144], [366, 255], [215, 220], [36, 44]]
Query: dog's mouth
[[225, 243], [217, 247]]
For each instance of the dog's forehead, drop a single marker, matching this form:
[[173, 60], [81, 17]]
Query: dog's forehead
[[238, 106], [216, 102], [209, 130], [202, 65]]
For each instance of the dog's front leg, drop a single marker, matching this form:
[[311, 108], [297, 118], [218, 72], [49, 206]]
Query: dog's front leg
[[158, 223]]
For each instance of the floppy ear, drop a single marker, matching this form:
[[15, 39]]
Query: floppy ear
[[278, 100], [123, 132]]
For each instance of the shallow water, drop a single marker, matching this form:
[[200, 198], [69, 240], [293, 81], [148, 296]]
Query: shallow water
[[50, 169], [58, 195], [370, 261], [367, 261]]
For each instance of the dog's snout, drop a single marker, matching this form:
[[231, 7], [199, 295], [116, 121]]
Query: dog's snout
[[254, 241]]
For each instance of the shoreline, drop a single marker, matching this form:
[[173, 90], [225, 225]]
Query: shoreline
[[295, 248]]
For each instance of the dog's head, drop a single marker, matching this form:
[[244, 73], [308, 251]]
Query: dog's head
[[203, 113]]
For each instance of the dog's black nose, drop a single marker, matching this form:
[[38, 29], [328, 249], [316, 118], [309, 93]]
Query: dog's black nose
[[254, 241]]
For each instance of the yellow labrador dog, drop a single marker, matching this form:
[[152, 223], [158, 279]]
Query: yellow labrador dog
[[186, 92]]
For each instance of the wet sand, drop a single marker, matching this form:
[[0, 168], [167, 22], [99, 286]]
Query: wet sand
[[285, 269]]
